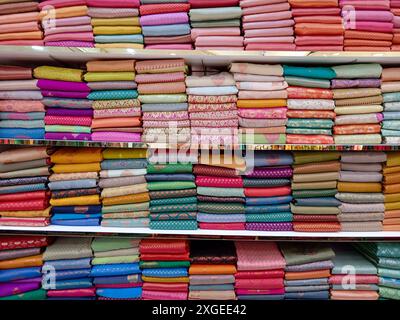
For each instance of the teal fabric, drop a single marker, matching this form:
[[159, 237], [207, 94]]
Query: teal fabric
[[174, 225], [270, 217], [113, 94], [346, 256], [308, 131], [310, 123], [184, 200], [309, 72]]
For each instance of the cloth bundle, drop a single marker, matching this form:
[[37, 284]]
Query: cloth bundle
[[368, 27], [75, 195], [164, 265], [68, 112], [220, 191], [115, 269], [267, 178], [262, 103], [267, 25], [116, 23], [162, 93], [395, 10], [390, 87], [124, 192], [391, 192], [66, 23], [165, 24], [212, 108], [116, 109], [360, 191], [66, 269], [216, 26], [260, 271], [353, 276], [358, 103], [318, 25], [308, 268], [310, 105], [24, 197], [212, 270], [314, 185], [21, 108], [20, 267]]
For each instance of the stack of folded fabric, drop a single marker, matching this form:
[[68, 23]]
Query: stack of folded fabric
[[358, 103], [124, 193], [75, 195], [386, 257], [353, 276], [368, 24], [360, 191], [216, 24], [116, 114], [310, 105], [165, 24], [115, 269], [318, 25], [212, 107], [24, 200], [308, 268], [115, 23], [21, 109], [164, 265], [69, 113], [315, 176], [391, 191], [262, 102], [20, 267], [221, 194], [212, 270], [391, 101], [162, 92], [260, 271], [267, 25], [395, 10], [66, 23], [70, 259], [19, 23], [269, 174]]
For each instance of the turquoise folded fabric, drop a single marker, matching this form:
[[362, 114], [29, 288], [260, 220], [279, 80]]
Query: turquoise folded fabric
[[358, 71], [390, 133], [74, 129], [31, 124], [174, 225], [167, 201], [389, 282], [117, 269], [166, 30], [308, 131], [165, 272], [270, 217], [391, 97], [132, 38], [113, 94], [309, 123], [309, 72], [126, 223], [391, 124]]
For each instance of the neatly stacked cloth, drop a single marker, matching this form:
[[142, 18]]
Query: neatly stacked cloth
[[353, 276], [116, 114], [314, 185], [369, 25], [318, 25], [24, 200], [395, 9], [165, 24], [212, 270], [358, 103], [262, 102], [260, 271], [360, 191], [216, 24], [164, 265], [162, 92], [391, 191], [221, 194], [116, 23], [308, 268], [267, 25], [66, 269], [115, 268], [69, 113], [21, 109], [212, 107], [20, 267], [19, 23], [310, 105], [269, 174], [386, 257], [390, 87], [124, 193], [66, 23], [75, 193]]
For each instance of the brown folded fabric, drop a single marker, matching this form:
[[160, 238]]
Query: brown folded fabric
[[361, 226], [132, 198], [392, 178], [391, 197], [391, 188], [314, 274], [15, 73], [353, 34], [10, 8], [359, 187], [317, 167], [355, 93], [387, 170], [314, 185], [390, 74], [32, 261], [359, 101], [368, 216], [111, 65]]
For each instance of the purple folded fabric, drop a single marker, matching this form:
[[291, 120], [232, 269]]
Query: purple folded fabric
[[69, 112], [263, 226], [65, 94], [67, 136], [56, 85], [163, 19], [116, 136], [278, 172], [112, 85], [9, 289], [318, 265], [83, 44], [355, 83], [18, 253], [74, 21]]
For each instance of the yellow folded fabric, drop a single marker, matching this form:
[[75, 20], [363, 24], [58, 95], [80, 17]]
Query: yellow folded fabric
[[58, 73], [359, 187], [392, 178], [131, 198], [77, 167], [388, 170], [26, 214], [226, 161], [117, 153], [392, 197], [117, 30], [119, 45], [302, 157], [66, 12], [131, 21], [77, 155], [76, 201], [392, 206], [393, 159], [109, 76], [268, 103], [166, 280], [124, 190]]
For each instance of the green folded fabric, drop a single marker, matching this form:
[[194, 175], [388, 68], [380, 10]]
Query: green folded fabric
[[326, 132], [174, 225], [210, 207], [220, 192], [345, 256], [216, 23], [160, 202], [62, 128], [170, 168], [309, 123], [358, 71], [143, 206], [307, 82], [270, 217], [108, 244], [310, 156], [164, 264], [212, 14], [170, 185], [381, 249], [113, 260], [297, 194], [389, 293], [301, 253], [260, 138], [389, 273], [39, 294], [174, 207]]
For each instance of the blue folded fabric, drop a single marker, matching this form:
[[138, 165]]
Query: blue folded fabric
[[391, 97], [19, 133], [77, 209], [132, 278], [306, 282], [389, 282], [117, 269], [73, 284], [391, 116], [313, 295], [269, 158], [390, 133], [120, 293], [268, 200], [318, 202], [165, 272], [261, 297], [166, 30], [220, 217], [117, 164], [126, 223], [119, 38], [68, 264], [9, 275], [151, 107], [23, 188], [309, 72], [72, 274], [77, 222], [170, 177], [73, 184], [22, 181], [75, 216], [268, 209], [212, 287]]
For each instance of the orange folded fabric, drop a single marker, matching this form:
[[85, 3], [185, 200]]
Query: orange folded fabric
[[371, 43], [357, 129], [116, 122], [271, 103], [19, 17], [391, 227], [110, 66], [319, 19], [212, 269], [354, 295], [306, 29], [366, 49], [301, 275], [316, 226], [359, 186], [392, 178], [321, 114], [392, 214], [313, 3], [391, 221], [66, 12], [387, 170], [32, 35], [353, 34], [20, 27], [391, 188], [32, 261], [131, 198], [328, 166]]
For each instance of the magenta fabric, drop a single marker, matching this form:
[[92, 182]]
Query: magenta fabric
[[83, 44], [87, 292], [65, 94], [61, 3], [113, 3], [369, 26], [116, 136], [256, 226], [260, 291], [67, 136], [222, 226], [50, 85]]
